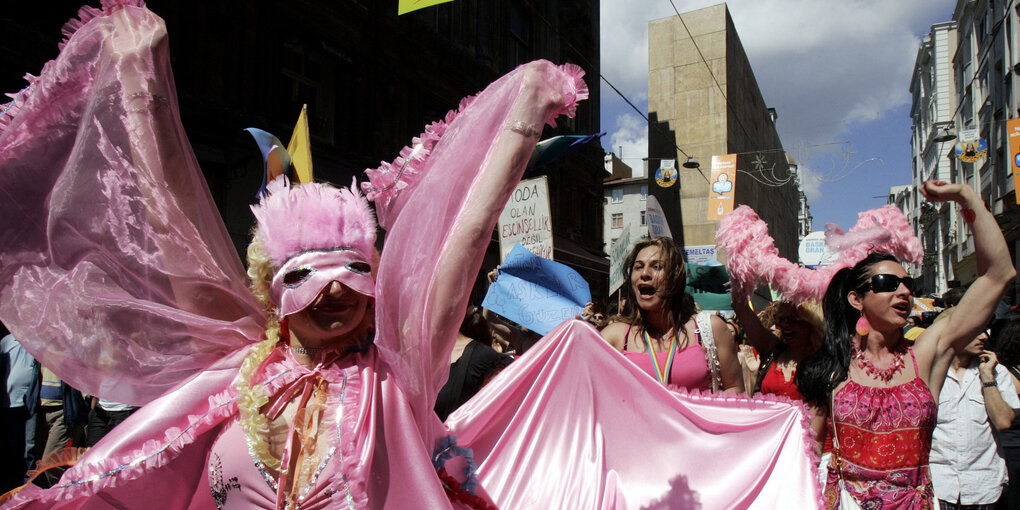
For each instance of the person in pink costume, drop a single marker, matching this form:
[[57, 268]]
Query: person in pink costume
[[114, 257]]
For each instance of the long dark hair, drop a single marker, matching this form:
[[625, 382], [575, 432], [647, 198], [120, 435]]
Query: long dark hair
[[822, 371], [674, 284]]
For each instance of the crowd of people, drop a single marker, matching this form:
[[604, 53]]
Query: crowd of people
[[333, 374]]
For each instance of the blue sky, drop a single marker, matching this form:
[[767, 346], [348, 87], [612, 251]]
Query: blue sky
[[837, 72]]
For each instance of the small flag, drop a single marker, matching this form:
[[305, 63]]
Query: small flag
[[406, 6], [300, 148]]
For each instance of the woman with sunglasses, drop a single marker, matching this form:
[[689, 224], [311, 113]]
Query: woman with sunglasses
[[879, 392]]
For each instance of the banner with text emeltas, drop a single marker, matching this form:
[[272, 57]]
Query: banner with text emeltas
[[526, 219], [1013, 138], [720, 196]]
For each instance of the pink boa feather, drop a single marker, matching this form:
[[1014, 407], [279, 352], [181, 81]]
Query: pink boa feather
[[752, 257]]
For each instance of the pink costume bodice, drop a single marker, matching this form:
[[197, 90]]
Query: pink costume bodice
[[362, 403], [884, 440], [688, 370]]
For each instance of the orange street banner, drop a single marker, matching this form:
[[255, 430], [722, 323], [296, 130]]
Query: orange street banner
[[406, 6], [720, 197], [1013, 141]]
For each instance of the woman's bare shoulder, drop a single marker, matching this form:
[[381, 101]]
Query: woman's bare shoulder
[[616, 334]]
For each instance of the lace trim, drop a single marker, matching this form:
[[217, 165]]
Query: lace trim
[[704, 322]]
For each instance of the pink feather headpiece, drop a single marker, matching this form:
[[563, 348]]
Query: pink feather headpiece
[[752, 257], [313, 216]]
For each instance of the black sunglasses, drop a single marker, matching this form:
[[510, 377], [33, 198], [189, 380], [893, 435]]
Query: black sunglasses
[[888, 283]]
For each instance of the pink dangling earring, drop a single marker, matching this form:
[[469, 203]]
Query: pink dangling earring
[[863, 327]]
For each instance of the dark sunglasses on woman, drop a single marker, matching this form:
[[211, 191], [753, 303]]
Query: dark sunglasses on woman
[[888, 283]]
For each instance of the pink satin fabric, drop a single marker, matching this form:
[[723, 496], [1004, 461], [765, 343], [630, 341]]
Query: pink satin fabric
[[116, 270], [573, 425]]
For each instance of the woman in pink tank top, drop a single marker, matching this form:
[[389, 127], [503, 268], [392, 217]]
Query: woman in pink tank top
[[881, 393], [662, 333]]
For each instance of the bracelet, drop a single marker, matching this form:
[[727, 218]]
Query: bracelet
[[988, 384], [518, 126]]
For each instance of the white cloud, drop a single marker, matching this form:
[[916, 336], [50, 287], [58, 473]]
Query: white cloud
[[630, 140]]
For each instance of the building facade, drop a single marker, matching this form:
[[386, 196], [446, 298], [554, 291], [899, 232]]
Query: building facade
[[624, 197], [703, 98], [932, 105]]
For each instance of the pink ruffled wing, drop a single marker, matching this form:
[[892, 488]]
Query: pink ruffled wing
[[116, 270], [439, 230]]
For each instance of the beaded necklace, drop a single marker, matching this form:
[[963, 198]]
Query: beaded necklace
[[885, 374]]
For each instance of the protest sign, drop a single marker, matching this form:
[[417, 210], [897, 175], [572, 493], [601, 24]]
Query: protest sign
[[703, 254], [657, 225], [536, 293], [526, 219], [617, 253]]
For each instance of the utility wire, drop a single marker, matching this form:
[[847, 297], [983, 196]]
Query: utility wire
[[580, 55]]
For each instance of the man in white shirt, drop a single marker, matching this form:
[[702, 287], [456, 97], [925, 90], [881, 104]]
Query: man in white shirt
[[967, 467]]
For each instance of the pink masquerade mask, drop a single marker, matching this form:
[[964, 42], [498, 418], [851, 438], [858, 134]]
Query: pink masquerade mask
[[302, 278]]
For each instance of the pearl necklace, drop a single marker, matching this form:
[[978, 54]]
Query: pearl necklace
[[885, 374], [306, 350]]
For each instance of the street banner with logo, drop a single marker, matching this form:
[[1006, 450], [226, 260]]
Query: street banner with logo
[[526, 219], [971, 148], [618, 252], [720, 196], [1013, 142], [657, 225], [666, 175]]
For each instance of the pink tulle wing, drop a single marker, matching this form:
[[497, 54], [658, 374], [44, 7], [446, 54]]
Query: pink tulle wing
[[116, 270], [435, 245], [576, 412]]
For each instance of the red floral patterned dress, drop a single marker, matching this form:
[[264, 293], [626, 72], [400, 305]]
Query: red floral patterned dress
[[884, 438]]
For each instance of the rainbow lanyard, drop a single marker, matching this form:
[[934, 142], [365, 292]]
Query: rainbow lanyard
[[661, 373]]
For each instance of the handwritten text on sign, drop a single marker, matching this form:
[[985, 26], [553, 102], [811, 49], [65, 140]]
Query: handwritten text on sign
[[526, 219]]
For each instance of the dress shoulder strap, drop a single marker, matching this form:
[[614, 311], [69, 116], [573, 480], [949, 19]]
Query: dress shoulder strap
[[707, 340], [914, 360], [626, 337]]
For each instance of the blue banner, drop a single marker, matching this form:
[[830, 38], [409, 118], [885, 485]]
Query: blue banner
[[536, 293]]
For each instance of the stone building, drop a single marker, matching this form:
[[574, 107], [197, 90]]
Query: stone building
[[715, 109]]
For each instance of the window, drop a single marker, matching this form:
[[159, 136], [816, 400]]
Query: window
[[642, 217], [617, 195], [644, 192], [618, 220]]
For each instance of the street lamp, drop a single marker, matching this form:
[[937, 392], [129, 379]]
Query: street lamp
[[691, 162], [944, 135]]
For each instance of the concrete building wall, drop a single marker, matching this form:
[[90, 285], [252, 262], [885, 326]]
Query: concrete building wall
[[716, 113]]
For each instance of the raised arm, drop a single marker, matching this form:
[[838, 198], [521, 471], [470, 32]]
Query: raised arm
[[939, 343], [757, 335], [116, 271], [435, 246]]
